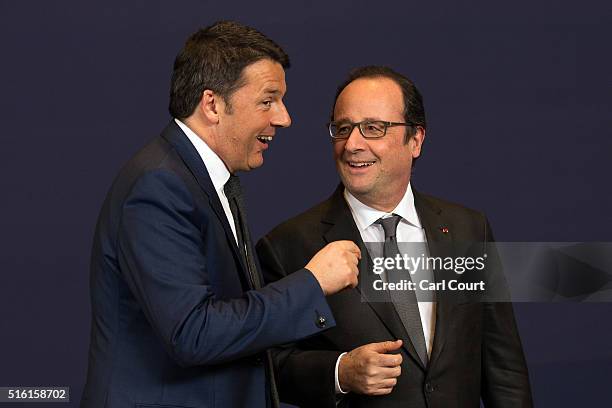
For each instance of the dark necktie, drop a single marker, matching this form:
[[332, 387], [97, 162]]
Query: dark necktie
[[405, 302], [233, 192]]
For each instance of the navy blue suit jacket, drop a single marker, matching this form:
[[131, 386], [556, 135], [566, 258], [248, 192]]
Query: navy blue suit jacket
[[174, 321]]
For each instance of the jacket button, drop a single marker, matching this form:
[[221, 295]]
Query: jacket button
[[429, 388], [321, 322], [257, 360]]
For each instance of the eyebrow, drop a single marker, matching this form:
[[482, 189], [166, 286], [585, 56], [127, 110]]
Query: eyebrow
[[368, 119], [272, 91]]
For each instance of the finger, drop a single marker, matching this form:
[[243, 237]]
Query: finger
[[385, 346], [353, 265], [355, 249], [388, 383], [390, 360], [354, 259], [381, 391], [380, 387], [355, 270], [354, 281], [350, 246], [385, 373]]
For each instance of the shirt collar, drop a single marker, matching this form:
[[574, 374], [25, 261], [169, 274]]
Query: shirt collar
[[218, 172], [365, 216]]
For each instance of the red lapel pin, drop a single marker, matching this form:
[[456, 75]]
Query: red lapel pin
[[444, 229]]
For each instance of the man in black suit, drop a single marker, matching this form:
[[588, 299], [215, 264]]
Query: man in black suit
[[180, 317], [439, 352]]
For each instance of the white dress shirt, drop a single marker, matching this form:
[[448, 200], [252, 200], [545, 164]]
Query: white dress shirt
[[409, 229], [218, 172]]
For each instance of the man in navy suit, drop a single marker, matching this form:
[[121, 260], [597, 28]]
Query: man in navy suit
[[179, 315]]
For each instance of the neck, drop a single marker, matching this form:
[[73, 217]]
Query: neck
[[377, 205], [207, 134], [385, 203], [202, 131]]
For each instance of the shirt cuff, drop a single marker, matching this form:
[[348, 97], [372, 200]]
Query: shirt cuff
[[337, 382]]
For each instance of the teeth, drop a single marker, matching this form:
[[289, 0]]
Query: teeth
[[265, 138], [360, 164]]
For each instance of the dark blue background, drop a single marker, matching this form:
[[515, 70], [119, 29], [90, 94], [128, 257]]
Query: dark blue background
[[518, 98]]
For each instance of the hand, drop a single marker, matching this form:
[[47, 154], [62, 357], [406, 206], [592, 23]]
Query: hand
[[335, 266], [369, 369]]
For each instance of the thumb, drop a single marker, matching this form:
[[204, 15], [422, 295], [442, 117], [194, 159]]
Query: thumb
[[385, 346]]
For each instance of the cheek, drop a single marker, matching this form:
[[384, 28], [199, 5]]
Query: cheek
[[251, 146], [400, 163], [338, 150], [393, 158]]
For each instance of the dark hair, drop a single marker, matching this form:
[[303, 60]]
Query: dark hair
[[414, 112], [214, 58]]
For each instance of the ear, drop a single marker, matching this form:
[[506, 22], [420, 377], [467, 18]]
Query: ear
[[416, 142], [210, 105]]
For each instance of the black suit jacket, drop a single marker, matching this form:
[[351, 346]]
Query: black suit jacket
[[476, 350], [174, 321]]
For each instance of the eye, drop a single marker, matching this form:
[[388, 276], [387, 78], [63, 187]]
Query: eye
[[343, 129], [267, 104], [374, 127]]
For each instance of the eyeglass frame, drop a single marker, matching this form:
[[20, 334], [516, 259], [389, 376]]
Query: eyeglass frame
[[358, 125]]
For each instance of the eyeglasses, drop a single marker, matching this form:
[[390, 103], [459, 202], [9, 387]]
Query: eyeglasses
[[370, 129]]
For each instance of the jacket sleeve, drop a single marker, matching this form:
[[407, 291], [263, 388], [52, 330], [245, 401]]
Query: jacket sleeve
[[505, 379], [169, 265], [306, 377]]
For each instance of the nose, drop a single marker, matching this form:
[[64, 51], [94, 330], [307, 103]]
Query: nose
[[281, 117], [355, 141]]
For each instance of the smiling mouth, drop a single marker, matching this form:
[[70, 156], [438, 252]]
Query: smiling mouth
[[360, 164], [265, 139]]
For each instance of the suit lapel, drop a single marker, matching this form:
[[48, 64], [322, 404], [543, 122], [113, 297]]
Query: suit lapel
[[343, 227], [192, 159], [439, 239]]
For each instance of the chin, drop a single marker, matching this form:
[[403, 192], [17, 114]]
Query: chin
[[356, 188], [255, 164]]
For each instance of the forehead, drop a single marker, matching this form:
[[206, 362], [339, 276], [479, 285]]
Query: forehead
[[374, 98], [264, 76]]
